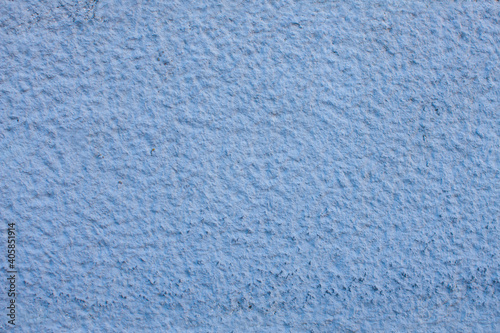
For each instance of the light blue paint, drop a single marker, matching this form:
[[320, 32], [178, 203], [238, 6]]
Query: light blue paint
[[317, 166]]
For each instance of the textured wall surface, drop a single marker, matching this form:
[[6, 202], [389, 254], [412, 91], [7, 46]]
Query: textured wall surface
[[259, 166]]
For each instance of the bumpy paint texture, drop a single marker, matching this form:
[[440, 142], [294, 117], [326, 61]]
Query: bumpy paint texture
[[251, 166]]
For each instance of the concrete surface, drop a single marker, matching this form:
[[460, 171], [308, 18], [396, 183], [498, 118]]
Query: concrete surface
[[251, 166]]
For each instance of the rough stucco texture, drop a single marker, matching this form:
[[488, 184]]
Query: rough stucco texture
[[317, 166]]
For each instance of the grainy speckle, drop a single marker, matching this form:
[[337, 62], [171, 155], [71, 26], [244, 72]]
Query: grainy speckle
[[318, 166]]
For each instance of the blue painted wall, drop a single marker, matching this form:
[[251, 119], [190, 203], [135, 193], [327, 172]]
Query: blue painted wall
[[260, 166]]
